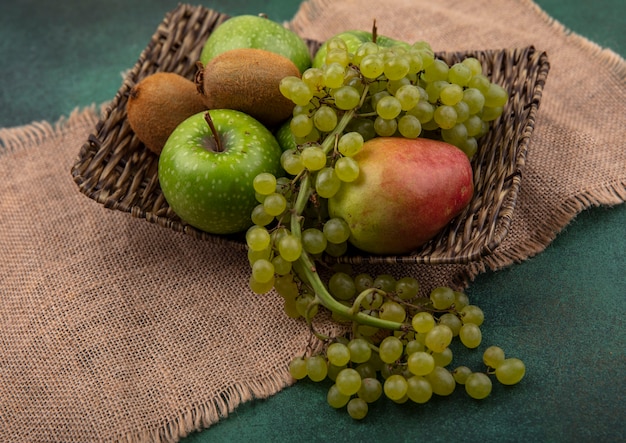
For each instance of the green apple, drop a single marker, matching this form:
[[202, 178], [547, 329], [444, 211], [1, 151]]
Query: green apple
[[354, 39], [252, 31], [206, 174], [406, 192]]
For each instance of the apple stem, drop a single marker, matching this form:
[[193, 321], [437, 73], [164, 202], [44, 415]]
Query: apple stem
[[216, 137], [374, 31]]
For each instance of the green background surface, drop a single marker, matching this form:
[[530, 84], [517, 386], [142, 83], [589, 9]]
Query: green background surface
[[562, 311]]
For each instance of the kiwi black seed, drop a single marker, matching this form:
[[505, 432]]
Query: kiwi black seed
[[247, 80], [159, 103]]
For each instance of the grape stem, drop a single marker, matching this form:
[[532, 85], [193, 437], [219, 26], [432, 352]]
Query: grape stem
[[312, 277]]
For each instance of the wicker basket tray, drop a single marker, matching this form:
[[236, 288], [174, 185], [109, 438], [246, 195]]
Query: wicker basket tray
[[116, 170]]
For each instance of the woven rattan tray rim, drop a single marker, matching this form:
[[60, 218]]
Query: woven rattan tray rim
[[102, 171]]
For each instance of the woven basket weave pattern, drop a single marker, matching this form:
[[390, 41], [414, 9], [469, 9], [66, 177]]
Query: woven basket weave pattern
[[115, 169]]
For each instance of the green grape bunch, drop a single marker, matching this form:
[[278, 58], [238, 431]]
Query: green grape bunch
[[394, 332]]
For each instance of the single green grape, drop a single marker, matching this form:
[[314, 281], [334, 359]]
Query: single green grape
[[451, 94], [510, 371], [473, 64], [290, 247], [452, 321], [263, 270], [346, 97], [445, 116], [461, 373], [423, 322], [388, 107], [392, 311], [316, 368], [286, 84], [357, 408], [395, 387], [300, 93], [313, 158], [496, 96], [341, 286], [259, 217], [493, 356], [338, 55], [372, 66], [258, 238], [350, 143], [443, 358], [413, 346], [348, 381], [423, 110], [327, 183], [313, 241], [438, 338], [258, 255], [396, 67], [333, 75], [407, 288], [470, 335], [264, 183], [442, 297], [475, 100], [408, 95], [338, 354], [336, 230], [335, 398], [385, 128], [371, 389], [478, 385], [419, 389], [480, 82], [420, 363], [472, 314], [281, 266], [438, 70], [297, 368], [385, 282], [301, 125], [260, 287], [291, 161], [460, 73], [286, 287], [325, 118], [275, 204], [347, 169], [409, 126], [390, 349], [360, 350], [314, 78], [442, 381]]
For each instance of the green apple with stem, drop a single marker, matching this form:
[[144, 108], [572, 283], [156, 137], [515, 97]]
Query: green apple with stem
[[260, 32], [207, 167]]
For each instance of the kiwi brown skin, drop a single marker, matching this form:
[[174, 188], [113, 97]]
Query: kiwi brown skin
[[247, 80], [159, 103]]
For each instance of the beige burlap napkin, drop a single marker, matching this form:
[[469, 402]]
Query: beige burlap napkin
[[115, 329]]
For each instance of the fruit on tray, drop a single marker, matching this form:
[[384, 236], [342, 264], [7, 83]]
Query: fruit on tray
[[158, 103], [372, 150], [260, 32], [247, 80], [207, 167], [406, 192]]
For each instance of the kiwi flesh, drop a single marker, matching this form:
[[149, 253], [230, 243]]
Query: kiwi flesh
[[158, 103], [247, 80]]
